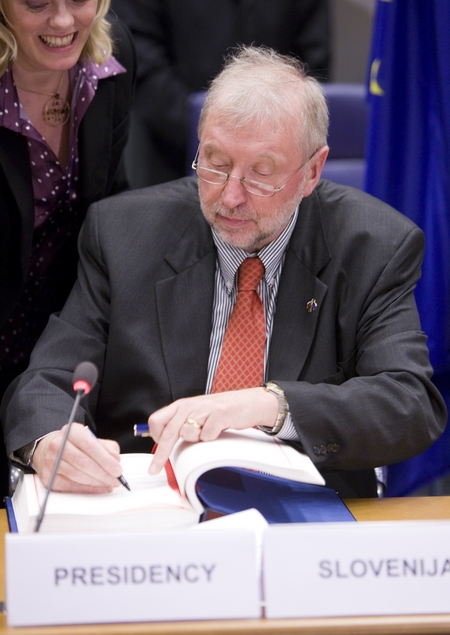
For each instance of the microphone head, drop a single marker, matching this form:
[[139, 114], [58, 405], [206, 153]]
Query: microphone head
[[84, 377]]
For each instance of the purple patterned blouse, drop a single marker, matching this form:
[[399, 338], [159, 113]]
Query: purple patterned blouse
[[56, 206]]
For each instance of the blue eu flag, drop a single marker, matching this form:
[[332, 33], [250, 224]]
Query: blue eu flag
[[408, 166]]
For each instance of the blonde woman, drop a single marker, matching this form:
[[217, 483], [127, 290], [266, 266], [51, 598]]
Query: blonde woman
[[66, 84]]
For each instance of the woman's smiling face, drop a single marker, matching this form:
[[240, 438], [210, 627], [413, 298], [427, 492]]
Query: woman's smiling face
[[50, 34]]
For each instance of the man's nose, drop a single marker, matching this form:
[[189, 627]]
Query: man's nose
[[234, 193]]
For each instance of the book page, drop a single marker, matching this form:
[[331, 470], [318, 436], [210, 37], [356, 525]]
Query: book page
[[251, 449], [148, 493]]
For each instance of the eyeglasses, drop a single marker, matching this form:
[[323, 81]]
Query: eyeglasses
[[214, 177]]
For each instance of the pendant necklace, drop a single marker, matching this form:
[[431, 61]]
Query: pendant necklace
[[56, 111]]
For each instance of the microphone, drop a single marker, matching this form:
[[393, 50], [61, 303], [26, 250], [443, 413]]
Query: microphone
[[84, 378]]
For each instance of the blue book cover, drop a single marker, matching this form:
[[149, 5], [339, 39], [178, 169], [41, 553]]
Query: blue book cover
[[10, 515], [229, 490]]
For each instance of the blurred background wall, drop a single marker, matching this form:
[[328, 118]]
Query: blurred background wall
[[352, 31]]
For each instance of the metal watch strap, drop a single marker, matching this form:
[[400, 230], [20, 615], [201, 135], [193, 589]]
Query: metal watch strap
[[276, 390]]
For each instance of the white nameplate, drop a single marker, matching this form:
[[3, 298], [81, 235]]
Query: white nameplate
[[345, 569], [92, 578]]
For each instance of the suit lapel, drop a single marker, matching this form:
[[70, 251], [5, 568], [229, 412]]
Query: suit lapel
[[294, 325], [184, 305], [94, 156]]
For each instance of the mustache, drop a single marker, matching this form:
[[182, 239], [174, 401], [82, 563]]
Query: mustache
[[234, 212]]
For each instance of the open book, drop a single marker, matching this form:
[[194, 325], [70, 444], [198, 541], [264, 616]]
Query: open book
[[166, 500]]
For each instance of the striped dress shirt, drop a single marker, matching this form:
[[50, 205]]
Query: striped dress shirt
[[225, 291]]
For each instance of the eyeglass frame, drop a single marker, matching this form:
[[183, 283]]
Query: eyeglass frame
[[242, 180]]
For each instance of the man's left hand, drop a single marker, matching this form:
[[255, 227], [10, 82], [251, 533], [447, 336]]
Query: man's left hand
[[204, 417]]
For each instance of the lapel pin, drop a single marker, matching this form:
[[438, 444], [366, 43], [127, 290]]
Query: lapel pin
[[311, 305]]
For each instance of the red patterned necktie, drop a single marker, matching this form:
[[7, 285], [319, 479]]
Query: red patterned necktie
[[241, 363]]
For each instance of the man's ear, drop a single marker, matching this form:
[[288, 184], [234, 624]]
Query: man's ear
[[315, 169]]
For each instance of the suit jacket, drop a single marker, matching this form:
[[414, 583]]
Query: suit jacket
[[355, 371], [101, 141]]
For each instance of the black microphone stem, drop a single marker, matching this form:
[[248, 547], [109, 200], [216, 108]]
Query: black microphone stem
[[76, 402]]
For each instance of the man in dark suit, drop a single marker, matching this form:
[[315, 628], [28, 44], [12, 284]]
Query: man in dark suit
[[349, 379]]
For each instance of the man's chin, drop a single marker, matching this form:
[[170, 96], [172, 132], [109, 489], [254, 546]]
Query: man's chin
[[236, 238]]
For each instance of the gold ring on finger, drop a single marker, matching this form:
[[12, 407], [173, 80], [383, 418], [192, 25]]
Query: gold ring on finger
[[193, 423]]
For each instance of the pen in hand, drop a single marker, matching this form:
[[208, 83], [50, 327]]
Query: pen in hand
[[121, 478], [124, 482], [141, 430]]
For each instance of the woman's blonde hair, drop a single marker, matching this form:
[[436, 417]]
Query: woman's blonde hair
[[99, 45]]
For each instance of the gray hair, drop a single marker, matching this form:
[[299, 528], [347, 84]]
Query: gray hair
[[261, 87]]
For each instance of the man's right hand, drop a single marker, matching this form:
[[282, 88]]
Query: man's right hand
[[88, 465]]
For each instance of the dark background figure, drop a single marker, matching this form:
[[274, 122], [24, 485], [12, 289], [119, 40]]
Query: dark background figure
[[51, 172], [181, 46]]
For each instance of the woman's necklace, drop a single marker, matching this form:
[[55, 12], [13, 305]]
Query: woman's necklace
[[56, 111]]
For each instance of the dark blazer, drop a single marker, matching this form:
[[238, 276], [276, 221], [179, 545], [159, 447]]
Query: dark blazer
[[102, 138], [355, 370]]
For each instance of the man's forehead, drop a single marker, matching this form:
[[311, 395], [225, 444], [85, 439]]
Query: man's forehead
[[250, 139], [233, 124]]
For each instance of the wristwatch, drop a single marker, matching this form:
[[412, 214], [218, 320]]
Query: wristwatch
[[276, 390]]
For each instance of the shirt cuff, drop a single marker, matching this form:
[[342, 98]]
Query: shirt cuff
[[288, 431], [24, 455]]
